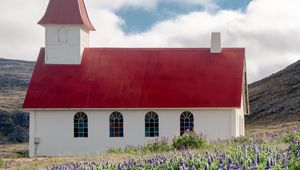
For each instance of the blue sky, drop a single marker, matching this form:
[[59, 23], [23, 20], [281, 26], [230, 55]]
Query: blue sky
[[140, 20]]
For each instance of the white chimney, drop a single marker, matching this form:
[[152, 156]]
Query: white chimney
[[215, 42]]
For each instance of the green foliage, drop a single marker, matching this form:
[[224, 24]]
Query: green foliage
[[186, 141], [189, 141], [14, 127], [114, 150], [290, 137], [242, 140], [21, 154], [1, 162], [294, 159], [157, 146]]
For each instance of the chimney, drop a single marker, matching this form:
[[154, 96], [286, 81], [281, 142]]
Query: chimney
[[215, 42]]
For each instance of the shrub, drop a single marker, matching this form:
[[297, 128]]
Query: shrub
[[242, 140], [157, 146], [115, 150], [290, 137], [1, 162], [154, 147], [294, 157], [21, 154], [132, 149], [189, 141]]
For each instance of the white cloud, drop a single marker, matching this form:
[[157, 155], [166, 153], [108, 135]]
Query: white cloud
[[268, 29], [145, 4]]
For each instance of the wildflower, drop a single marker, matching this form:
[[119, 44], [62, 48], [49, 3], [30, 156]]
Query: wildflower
[[258, 158], [268, 165], [206, 167]]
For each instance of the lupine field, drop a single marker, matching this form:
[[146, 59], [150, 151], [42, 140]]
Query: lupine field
[[237, 154]]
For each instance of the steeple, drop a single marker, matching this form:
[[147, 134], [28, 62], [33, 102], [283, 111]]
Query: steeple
[[67, 28], [71, 12]]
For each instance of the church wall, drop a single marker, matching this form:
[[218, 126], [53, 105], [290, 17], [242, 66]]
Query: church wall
[[54, 129]]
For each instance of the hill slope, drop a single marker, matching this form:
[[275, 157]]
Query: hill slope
[[277, 97], [14, 80]]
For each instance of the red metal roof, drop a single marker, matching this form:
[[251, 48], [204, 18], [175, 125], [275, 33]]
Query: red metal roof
[[140, 78], [67, 12]]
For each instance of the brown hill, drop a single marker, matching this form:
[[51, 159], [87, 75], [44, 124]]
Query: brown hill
[[14, 80], [276, 99]]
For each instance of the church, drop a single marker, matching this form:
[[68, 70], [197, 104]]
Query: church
[[83, 101]]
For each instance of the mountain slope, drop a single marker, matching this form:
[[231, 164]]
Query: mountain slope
[[277, 97], [14, 80]]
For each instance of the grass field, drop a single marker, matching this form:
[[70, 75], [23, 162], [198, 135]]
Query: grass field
[[15, 156]]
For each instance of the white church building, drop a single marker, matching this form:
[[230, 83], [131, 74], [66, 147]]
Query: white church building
[[83, 101]]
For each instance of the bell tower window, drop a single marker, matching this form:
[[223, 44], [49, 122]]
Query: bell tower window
[[62, 35]]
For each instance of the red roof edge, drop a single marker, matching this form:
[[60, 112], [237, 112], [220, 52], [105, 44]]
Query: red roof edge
[[25, 103], [71, 12]]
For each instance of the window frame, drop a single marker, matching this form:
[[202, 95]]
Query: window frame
[[116, 128], [186, 122], [151, 124], [80, 125], [62, 35]]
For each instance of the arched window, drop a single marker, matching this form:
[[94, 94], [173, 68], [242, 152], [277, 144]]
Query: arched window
[[186, 122], [80, 125], [62, 35], [151, 125], [116, 125]]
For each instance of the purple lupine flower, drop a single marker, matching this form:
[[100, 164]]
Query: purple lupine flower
[[229, 161], [181, 162], [206, 167], [268, 165], [294, 142], [284, 163], [268, 149], [208, 161], [237, 166], [298, 152], [258, 159], [119, 167], [199, 164]]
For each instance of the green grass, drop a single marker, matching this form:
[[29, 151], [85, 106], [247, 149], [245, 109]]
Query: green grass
[[290, 137], [240, 150], [186, 141], [1, 162]]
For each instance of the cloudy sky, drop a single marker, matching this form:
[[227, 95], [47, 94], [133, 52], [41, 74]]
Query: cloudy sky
[[268, 29]]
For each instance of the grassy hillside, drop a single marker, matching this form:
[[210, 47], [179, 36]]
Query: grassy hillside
[[276, 99], [14, 80]]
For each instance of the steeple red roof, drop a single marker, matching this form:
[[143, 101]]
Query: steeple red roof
[[67, 12]]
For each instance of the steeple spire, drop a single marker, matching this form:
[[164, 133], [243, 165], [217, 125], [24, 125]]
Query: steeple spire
[[69, 12]]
